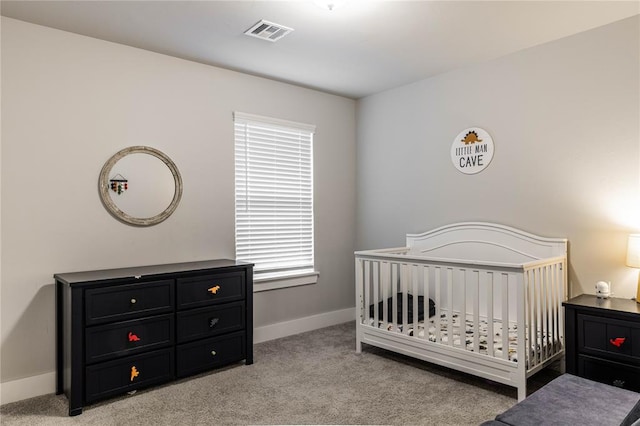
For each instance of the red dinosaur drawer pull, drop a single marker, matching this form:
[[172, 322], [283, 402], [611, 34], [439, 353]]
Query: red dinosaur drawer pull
[[618, 341], [133, 337]]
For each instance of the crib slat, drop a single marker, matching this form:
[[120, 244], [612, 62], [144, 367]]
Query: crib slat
[[542, 316], [394, 294], [450, 310], [546, 317], [556, 286], [367, 284], [505, 315], [359, 287], [547, 314], [438, 284], [374, 290], [520, 321], [534, 320], [490, 316], [556, 306], [414, 280], [554, 301], [463, 309], [404, 279], [537, 344], [548, 342], [527, 316], [425, 301], [386, 282], [531, 327], [540, 335], [560, 295], [561, 298], [476, 313]]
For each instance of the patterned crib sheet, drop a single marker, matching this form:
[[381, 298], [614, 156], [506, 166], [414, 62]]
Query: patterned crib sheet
[[459, 333]]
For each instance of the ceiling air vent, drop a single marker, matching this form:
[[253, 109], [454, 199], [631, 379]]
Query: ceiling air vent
[[268, 31]]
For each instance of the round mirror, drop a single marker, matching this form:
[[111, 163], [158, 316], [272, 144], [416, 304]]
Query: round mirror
[[140, 185]]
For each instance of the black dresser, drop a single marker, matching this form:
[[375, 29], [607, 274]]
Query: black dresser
[[120, 330], [603, 340]]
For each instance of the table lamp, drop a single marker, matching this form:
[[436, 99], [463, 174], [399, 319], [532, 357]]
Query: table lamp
[[633, 257]]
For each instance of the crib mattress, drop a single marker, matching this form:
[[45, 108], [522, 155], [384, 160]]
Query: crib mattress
[[465, 333]]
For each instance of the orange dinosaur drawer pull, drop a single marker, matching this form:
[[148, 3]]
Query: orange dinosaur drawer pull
[[618, 341], [133, 337], [134, 372], [214, 290]]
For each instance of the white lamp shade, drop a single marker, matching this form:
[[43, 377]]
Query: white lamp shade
[[633, 251]]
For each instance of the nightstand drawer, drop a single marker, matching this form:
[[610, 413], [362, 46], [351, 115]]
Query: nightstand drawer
[[128, 301], [609, 338], [106, 342], [609, 372], [210, 321], [135, 372], [208, 353], [210, 289]]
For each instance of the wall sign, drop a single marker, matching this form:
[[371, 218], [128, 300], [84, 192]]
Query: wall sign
[[472, 150]]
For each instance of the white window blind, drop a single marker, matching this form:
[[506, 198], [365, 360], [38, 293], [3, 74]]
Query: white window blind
[[274, 194]]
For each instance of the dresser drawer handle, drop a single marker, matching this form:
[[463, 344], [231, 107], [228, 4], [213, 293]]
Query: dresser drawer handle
[[214, 289], [133, 301], [133, 337], [134, 372], [618, 341], [213, 322], [213, 353]]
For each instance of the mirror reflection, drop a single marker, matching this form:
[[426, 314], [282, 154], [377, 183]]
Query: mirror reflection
[[149, 185]]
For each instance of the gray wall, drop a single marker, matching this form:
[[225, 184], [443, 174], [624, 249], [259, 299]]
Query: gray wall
[[564, 118], [70, 102]]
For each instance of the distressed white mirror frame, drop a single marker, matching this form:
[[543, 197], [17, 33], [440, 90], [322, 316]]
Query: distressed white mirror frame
[[104, 185]]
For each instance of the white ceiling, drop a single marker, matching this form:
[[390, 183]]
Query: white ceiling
[[361, 48]]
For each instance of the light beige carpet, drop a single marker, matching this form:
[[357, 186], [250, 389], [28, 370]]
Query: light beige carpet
[[310, 378]]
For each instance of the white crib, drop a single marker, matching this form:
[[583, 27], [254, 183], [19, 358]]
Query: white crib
[[482, 277]]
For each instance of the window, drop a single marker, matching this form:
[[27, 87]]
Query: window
[[274, 199]]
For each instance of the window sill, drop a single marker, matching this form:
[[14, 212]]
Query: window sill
[[274, 282]]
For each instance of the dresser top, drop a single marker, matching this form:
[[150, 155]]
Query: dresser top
[[141, 271], [590, 301]]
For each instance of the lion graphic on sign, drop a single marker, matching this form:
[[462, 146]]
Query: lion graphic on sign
[[471, 137]]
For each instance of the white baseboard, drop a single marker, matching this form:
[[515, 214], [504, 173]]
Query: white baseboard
[[43, 384], [301, 325], [29, 387]]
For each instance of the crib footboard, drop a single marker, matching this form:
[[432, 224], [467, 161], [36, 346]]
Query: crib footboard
[[500, 322]]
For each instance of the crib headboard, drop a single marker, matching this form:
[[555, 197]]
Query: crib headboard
[[484, 242]]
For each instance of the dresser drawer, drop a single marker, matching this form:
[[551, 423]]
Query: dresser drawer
[[210, 289], [210, 321], [609, 372], [126, 374], [209, 353], [609, 338], [105, 342], [128, 301]]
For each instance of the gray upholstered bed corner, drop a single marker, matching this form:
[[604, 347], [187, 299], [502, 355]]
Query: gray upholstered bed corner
[[572, 400]]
